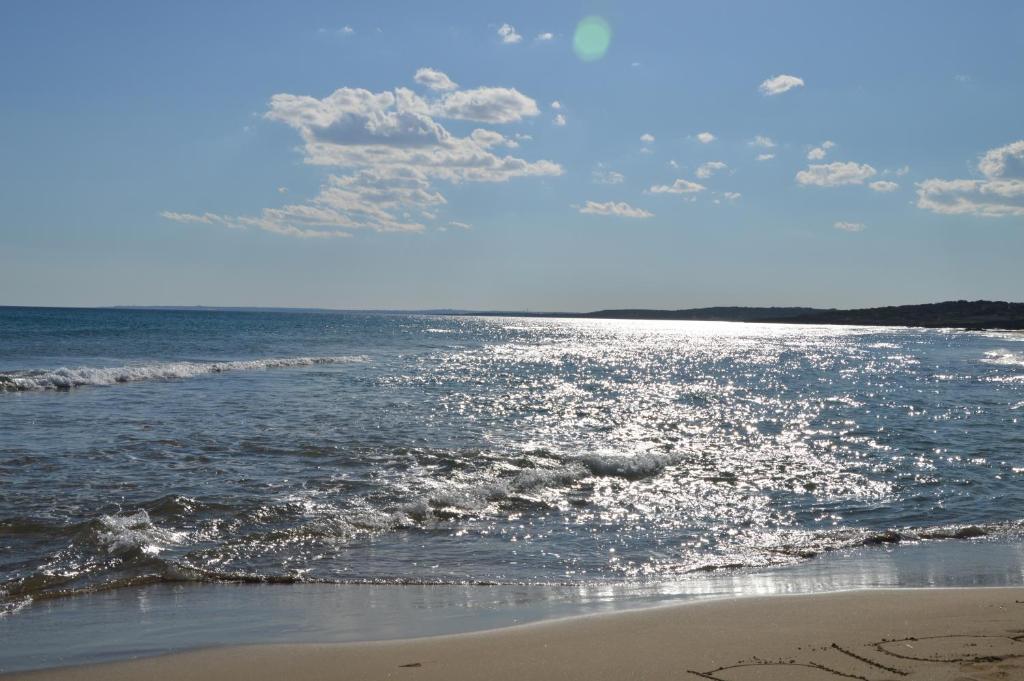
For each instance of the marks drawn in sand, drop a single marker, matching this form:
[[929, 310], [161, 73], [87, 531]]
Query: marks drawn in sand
[[983, 656]]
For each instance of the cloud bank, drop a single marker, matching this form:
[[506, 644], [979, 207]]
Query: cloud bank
[[999, 192], [392, 151]]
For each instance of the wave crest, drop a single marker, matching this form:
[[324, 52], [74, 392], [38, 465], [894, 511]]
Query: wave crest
[[66, 378], [121, 534], [1004, 357]]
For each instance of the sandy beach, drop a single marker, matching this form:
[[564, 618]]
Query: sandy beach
[[876, 635]]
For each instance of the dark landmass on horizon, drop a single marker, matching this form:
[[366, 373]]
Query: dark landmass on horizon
[[963, 314]]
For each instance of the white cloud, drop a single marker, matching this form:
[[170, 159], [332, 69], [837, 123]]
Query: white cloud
[[490, 138], [997, 162], [765, 157], [559, 120], [680, 186], [849, 226], [779, 84], [705, 137], [604, 176], [544, 37], [391, 152], [732, 196], [460, 225], [508, 34], [556, 104], [347, 30], [884, 186], [708, 169], [835, 174], [999, 193], [282, 190], [618, 209], [647, 138], [243, 223], [900, 172], [486, 105], [673, 164], [819, 152], [762, 142], [434, 79]]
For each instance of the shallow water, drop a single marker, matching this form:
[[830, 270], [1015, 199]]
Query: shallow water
[[163, 618], [159, 446]]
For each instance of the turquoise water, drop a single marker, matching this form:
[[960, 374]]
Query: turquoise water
[[143, 447]]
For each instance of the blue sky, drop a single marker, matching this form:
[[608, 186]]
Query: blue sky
[[411, 155]]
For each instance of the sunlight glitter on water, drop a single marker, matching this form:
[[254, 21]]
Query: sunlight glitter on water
[[504, 450]]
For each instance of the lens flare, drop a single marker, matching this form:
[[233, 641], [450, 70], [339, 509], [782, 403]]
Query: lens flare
[[591, 39]]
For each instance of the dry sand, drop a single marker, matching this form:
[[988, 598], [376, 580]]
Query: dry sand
[[932, 634]]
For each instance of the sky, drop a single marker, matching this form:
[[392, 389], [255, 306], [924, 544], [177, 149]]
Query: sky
[[511, 156]]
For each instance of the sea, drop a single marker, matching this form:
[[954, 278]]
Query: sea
[[178, 452]]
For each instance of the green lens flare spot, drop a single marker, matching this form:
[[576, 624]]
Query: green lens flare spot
[[591, 39]]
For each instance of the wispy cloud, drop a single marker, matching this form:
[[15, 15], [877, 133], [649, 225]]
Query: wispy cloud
[[544, 37], [884, 186], [508, 34], [708, 169], [435, 80], [835, 174], [765, 157], [819, 152], [849, 226], [680, 186], [705, 137], [602, 175], [762, 141], [618, 209], [779, 84]]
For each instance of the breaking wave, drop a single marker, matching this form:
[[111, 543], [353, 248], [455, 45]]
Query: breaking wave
[[1004, 357], [66, 378], [134, 539], [125, 534]]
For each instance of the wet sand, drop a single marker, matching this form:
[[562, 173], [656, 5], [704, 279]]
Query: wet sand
[[876, 635]]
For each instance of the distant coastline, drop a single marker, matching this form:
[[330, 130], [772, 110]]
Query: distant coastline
[[976, 315], [962, 314]]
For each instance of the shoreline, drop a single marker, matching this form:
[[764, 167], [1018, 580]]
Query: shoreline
[[156, 620], [864, 634]]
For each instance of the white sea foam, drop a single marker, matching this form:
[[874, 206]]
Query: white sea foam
[[10, 607], [1005, 357], [66, 378], [632, 467], [124, 533]]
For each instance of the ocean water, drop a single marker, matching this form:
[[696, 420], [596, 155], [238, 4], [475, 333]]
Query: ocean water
[[141, 447]]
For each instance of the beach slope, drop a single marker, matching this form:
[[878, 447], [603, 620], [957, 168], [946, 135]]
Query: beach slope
[[934, 634]]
